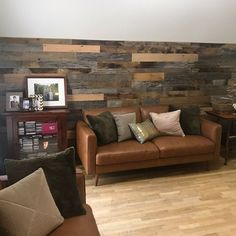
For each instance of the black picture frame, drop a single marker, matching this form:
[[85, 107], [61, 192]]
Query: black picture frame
[[13, 101], [25, 104]]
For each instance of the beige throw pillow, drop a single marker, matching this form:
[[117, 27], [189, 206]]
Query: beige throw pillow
[[122, 124], [27, 207], [168, 123]]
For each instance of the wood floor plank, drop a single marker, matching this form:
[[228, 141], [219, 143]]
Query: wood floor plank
[[185, 200]]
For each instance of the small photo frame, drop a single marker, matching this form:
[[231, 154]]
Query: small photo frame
[[13, 101], [26, 104], [53, 90]]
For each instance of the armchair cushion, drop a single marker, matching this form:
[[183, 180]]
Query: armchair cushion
[[59, 169], [27, 207]]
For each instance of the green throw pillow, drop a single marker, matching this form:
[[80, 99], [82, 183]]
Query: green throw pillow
[[189, 119], [104, 127], [144, 131], [59, 169]]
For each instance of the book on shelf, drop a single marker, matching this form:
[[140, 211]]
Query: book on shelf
[[30, 127], [21, 128], [38, 127]]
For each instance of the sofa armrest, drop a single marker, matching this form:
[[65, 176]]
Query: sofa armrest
[[86, 144], [1, 185], [3, 181], [80, 180], [212, 131]]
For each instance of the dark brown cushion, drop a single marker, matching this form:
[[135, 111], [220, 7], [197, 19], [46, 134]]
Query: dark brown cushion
[[104, 127], [189, 119], [59, 169]]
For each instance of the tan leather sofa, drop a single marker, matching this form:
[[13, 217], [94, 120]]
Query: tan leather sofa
[[84, 225], [130, 154]]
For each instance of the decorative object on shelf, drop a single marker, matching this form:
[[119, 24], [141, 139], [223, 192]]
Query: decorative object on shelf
[[39, 103], [53, 90], [231, 89], [32, 103], [26, 104], [13, 101], [222, 104], [36, 102], [234, 106]]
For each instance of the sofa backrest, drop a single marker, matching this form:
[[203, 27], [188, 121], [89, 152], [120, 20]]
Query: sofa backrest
[[145, 110], [114, 110]]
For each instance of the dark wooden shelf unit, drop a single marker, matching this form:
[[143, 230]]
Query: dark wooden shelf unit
[[27, 138]]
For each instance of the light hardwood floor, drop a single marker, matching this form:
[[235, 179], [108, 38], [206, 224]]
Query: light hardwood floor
[[167, 201]]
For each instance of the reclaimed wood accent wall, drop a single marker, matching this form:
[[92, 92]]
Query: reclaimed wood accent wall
[[120, 73]]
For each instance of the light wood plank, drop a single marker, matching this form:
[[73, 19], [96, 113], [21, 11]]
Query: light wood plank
[[196, 100], [158, 76], [229, 46], [161, 57], [70, 48], [85, 97]]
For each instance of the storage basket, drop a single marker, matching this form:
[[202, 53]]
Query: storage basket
[[222, 104]]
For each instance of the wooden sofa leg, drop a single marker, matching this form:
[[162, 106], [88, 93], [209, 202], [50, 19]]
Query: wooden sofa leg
[[96, 180], [208, 166]]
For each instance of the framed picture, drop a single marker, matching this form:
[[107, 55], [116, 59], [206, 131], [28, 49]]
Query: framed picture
[[26, 104], [53, 90], [13, 101]]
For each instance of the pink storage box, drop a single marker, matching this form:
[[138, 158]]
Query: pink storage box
[[49, 128]]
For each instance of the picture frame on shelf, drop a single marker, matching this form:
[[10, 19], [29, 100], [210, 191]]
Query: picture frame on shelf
[[13, 101], [53, 90], [25, 104]]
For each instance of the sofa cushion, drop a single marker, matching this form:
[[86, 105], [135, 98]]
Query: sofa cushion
[[27, 207], [59, 169], [168, 123], [78, 226], [145, 110], [122, 124], [189, 119], [104, 127], [174, 146], [144, 131], [127, 151]]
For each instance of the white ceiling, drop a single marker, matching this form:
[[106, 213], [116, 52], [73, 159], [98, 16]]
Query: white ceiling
[[211, 21]]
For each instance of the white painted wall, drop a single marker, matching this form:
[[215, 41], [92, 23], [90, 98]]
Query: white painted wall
[[142, 20]]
